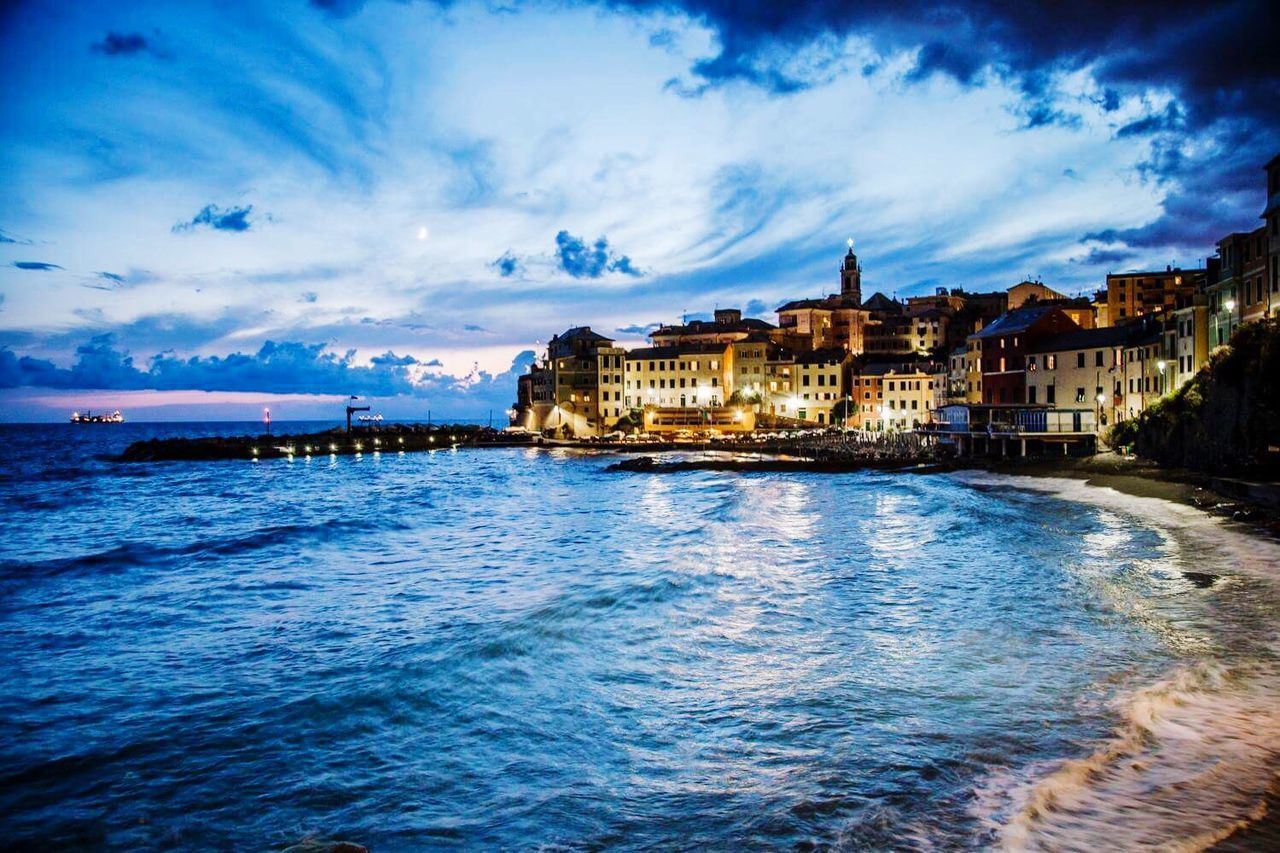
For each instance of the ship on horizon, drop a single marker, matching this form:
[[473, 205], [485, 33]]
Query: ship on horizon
[[115, 417]]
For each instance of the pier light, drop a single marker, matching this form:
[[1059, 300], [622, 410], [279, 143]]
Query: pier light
[[431, 439], [255, 451], [402, 439], [308, 448], [359, 446], [333, 448], [377, 441]]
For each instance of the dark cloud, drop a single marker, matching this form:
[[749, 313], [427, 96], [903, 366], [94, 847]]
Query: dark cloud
[[111, 277], [472, 327], [956, 59], [508, 265], [637, 329], [755, 307], [35, 265], [122, 44], [231, 219], [1104, 257], [590, 261], [1169, 119]]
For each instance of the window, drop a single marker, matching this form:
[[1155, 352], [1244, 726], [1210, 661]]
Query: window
[[1079, 395], [1051, 362], [1079, 359], [1051, 395], [1097, 359]]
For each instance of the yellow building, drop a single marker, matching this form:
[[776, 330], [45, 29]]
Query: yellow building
[[690, 376], [819, 384], [897, 396]]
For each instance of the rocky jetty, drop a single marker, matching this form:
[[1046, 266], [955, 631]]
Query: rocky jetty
[[392, 438]]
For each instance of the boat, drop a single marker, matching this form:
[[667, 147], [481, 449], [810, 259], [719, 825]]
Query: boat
[[90, 418]]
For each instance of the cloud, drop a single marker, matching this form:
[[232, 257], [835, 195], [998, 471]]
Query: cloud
[[637, 329], [755, 307], [35, 265], [582, 261], [1108, 257], [8, 238], [286, 367], [122, 44], [1171, 118], [508, 265], [110, 276], [231, 219], [472, 327]]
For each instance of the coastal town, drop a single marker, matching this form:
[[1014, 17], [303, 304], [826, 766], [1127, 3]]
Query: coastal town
[[1022, 370]]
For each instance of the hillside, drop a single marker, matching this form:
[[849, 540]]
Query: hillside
[[1226, 419]]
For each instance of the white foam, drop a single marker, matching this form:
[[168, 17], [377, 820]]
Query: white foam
[[1194, 756]]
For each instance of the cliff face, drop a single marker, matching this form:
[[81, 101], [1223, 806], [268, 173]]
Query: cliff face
[[1226, 419]]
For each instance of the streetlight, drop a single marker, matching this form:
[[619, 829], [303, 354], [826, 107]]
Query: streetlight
[[1160, 366], [1230, 305]]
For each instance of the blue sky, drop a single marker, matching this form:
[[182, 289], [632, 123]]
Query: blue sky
[[209, 207]]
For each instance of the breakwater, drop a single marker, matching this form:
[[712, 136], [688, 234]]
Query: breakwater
[[394, 438]]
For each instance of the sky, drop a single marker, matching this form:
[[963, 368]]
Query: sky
[[207, 208]]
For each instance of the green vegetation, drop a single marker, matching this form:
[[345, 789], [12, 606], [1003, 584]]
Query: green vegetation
[[1226, 419]]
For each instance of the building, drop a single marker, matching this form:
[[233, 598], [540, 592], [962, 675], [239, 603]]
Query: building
[[611, 369], [690, 376], [1239, 292], [563, 393], [576, 368], [1137, 294], [1144, 372], [1002, 347], [820, 383], [894, 396], [728, 326], [1083, 369], [1031, 291], [1271, 214], [1187, 342]]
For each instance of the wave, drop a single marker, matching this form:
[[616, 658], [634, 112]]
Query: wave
[[1195, 757], [130, 554]]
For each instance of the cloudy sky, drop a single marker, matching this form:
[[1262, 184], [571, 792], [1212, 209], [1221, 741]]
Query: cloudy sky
[[209, 207]]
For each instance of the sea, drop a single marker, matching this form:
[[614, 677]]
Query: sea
[[518, 649]]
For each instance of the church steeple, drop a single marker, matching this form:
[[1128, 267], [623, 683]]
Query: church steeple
[[851, 277]]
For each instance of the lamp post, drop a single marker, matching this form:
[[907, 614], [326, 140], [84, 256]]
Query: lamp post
[[1160, 366], [1230, 306], [1097, 421]]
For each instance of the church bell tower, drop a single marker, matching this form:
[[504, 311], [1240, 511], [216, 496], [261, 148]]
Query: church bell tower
[[851, 277]]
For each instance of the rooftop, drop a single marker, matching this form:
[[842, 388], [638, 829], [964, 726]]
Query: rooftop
[[1012, 322]]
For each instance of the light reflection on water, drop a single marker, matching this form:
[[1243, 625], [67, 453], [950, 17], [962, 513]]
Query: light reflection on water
[[515, 648]]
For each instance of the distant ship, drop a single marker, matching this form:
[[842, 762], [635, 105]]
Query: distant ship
[[90, 418]]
